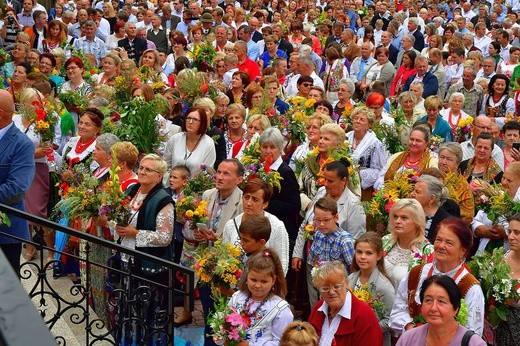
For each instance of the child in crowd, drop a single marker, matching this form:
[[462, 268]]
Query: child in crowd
[[254, 234], [261, 297], [179, 177], [368, 274], [330, 241], [299, 333]]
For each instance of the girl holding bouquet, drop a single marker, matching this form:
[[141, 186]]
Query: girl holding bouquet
[[369, 275], [261, 298]]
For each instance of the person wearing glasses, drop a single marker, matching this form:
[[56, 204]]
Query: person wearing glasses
[[481, 124], [150, 230], [74, 68], [191, 147], [304, 84], [339, 317]]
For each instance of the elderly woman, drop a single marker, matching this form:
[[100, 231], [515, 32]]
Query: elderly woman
[[369, 153], [126, 157], [382, 70], [255, 199], [19, 80], [219, 116], [488, 234], [497, 103], [440, 304], [74, 68], [111, 65], [328, 316], [454, 113], [192, 147], [19, 53], [346, 89], [235, 132], [408, 102], [256, 124], [451, 248], [417, 157], [482, 165], [441, 128], [285, 202], [376, 102], [431, 194], [405, 246], [314, 123], [47, 65], [450, 156], [150, 231]]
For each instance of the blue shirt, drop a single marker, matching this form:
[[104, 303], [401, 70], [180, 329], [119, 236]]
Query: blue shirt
[[253, 52], [266, 58], [442, 128], [338, 245]]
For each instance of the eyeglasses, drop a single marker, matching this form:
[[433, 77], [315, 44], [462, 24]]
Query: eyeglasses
[[307, 84], [321, 221], [147, 170], [192, 120], [483, 127], [326, 289], [71, 68]]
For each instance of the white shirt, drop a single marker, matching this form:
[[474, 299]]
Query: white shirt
[[482, 43], [292, 88], [328, 330]]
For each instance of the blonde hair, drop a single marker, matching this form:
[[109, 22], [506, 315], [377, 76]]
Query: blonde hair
[[161, 165], [299, 333], [264, 121], [206, 102], [416, 212], [336, 130]]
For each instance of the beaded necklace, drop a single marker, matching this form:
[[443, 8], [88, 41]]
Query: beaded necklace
[[80, 147], [247, 306]]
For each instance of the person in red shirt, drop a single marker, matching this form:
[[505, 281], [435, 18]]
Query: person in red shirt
[[244, 63]]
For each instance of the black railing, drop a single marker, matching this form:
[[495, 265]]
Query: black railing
[[141, 309]]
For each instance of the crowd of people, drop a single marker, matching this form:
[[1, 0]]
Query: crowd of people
[[337, 99]]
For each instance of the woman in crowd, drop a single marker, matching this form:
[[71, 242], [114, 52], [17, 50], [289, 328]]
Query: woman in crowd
[[324, 107], [235, 117], [335, 72], [255, 124], [56, 34], [213, 132], [174, 99], [313, 125], [454, 113], [507, 67], [299, 333], [507, 332], [417, 157], [377, 103], [296, 36], [346, 89], [435, 42], [328, 315], [219, 68], [511, 132], [255, 199], [239, 82], [111, 65], [406, 245], [406, 70], [408, 103], [497, 103], [285, 201], [110, 15], [450, 157], [271, 52], [192, 147], [304, 85], [431, 194], [369, 153], [195, 32], [440, 304], [126, 155], [219, 117], [382, 70], [494, 52], [150, 59], [10, 29], [368, 37], [369, 275], [74, 68], [179, 46], [441, 128], [47, 65], [118, 35], [150, 230], [451, 248], [482, 165], [19, 80], [18, 55], [254, 93]]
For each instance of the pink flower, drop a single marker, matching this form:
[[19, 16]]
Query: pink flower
[[234, 319], [233, 334], [196, 265]]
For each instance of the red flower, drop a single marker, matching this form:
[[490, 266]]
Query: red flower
[[40, 114], [238, 273], [389, 206], [267, 164], [92, 71], [343, 126], [204, 88]]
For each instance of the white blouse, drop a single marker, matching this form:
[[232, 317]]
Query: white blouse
[[176, 152]]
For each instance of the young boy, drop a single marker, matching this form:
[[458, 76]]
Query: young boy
[[330, 241], [254, 234], [179, 177]]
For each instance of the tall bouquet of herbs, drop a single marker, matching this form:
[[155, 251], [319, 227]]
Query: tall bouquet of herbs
[[493, 200], [499, 288], [81, 201], [203, 56], [388, 134], [202, 180], [138, 123], [256, 168]]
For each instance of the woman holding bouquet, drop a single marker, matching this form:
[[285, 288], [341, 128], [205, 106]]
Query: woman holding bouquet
[[74, 68], [497, 103], [451, 248], [150, 230], [256, 124], [454, 114], [482, 165]]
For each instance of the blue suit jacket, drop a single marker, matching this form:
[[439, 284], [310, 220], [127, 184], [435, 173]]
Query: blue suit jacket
[[16, 176], [430, 81]]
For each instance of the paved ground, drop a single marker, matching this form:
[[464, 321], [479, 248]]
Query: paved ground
[[192, 334]]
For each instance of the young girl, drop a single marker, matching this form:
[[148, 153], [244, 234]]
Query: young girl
[[261, 297], [368, 273], [299, 333]]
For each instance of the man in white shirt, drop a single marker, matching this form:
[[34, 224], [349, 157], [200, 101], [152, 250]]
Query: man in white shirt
[[503, 39], [454, 72], [231, 63], [37, 6], [467, 11], [147, 20], [177, 8], [361, 64], [488, 69], [481, 41], [103, 26], [481, 124], [305, 68]]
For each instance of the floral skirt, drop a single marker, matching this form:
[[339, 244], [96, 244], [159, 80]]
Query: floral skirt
[[508, 333]]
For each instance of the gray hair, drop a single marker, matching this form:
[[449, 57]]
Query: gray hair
[[472, 69], [272, 135], [328, 270], [455, 94], [367, 112], [413, 20], [407, 95], [454, 148], [306, 60], [90, 23], [419, 84], [469, 36], [410, 37], [106, 141], [222, 96], [434, 188], [350, 84], [439, 20]]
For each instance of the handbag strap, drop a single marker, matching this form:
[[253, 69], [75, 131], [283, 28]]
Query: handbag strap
[[467, 336]]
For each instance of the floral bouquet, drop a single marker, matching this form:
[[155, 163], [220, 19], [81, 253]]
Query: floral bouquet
[[254, 166], [435, 142], [511, 117], [44, 121], [267, 107], [345, 118], [294, 121], [203, 180], [73, 101], [462, 315], [229, 325], [499, 288], [4, 57], [123, 85], [81, 201], [193, 84], [114, 203], [308, 232], [389, 136], [203, 56], [192, 210], [463, 128], [383, 200], [368, 295], [344, 152], [219, 266], [493, 200]]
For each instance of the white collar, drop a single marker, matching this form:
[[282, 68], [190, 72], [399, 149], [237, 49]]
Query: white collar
[[346, 309], [276, 164]]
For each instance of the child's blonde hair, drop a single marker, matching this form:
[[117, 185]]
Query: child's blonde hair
[[299, 333]]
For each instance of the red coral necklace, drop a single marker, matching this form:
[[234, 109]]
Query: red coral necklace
[[81, 147]]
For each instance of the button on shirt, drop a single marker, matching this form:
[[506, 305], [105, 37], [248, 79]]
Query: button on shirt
[[339, 245], [96, 47]]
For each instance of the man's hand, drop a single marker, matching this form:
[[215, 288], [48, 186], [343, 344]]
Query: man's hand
[[296, 263]]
